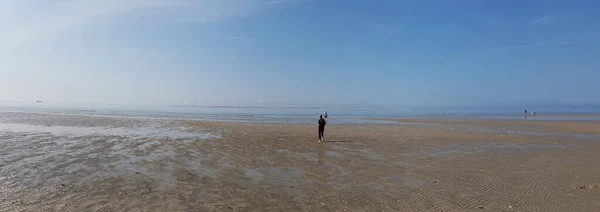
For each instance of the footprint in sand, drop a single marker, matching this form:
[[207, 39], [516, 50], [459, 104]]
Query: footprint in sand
[[591, 186]]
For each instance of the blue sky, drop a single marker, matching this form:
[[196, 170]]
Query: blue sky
[[311, 52]]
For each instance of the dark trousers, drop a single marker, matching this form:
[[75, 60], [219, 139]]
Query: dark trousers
[[321, 132]]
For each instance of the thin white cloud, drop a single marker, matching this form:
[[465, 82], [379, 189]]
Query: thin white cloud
[[547, 21], [283, 1], [505, 49], [31, 22], [39, 62], [242, 38], [526, 46], [25, 20]]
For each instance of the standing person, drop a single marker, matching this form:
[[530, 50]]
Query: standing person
[[322, 123], [525, 112]]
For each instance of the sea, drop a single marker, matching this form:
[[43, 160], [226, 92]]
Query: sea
[[290, 114]]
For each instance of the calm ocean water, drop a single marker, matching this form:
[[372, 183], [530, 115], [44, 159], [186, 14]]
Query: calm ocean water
[[287, 114]]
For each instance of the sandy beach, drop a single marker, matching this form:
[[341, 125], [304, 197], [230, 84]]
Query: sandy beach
[[94, 163]]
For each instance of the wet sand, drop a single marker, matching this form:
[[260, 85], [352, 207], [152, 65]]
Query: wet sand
[[522, 125], [85, 163]]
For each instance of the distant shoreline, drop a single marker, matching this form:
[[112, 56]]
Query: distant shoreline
[[279, 107], [257, 107]]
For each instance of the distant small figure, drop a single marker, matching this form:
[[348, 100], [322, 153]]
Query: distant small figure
[[533, 113], [525, 112], [39, 101], [322, 123]]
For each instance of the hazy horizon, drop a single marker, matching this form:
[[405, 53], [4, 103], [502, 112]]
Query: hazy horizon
[[431, 53], [517, 107]]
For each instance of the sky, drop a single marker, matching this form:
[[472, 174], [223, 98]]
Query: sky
[[300, 52]]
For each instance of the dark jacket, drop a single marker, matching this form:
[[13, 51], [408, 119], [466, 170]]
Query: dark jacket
[[322, 123]]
